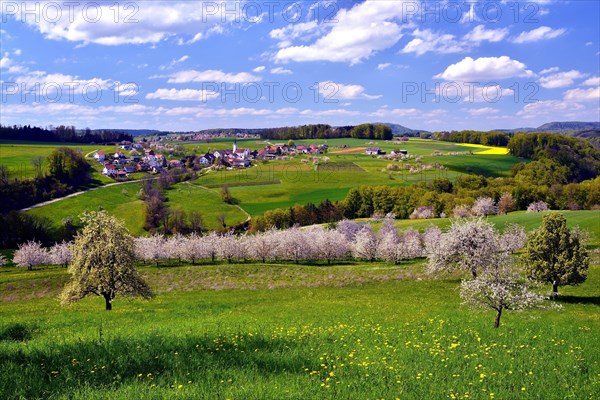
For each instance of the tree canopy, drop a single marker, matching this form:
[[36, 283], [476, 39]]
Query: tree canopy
[[555, 254], [103, 258]]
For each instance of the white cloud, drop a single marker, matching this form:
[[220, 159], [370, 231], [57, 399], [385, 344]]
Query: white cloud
[[541, 33], [549, 70], [480, 34], [485, 93], [50, 83], [592, 81], [5, 61], [258, 69], [383, 66], [174, 62], [553, 108], [17, 52], [485, 68], [149, 22], [359, 32], [286, 35], [578, 95], [477, 112], [470, 16], [560, 79], [426, 40], [589, 43], [211, 76], [182, 94], [327, 113], [281, 71], [331, 90]]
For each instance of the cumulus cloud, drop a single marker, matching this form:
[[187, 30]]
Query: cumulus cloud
[[182, 94], [359, 32], [560, 79], [281, 71], [549, 70], [331, 90], [541, 33], [426, 40], [383, 66], [211, 75], [592, 81], [480, 34], [485, 68], [580, 95], [146, 22], [258, 69], [551, 108]]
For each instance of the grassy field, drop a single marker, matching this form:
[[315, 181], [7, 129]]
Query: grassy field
[[255, 331], [190, 197], [18, 155], [300, 182], [122, 201], [588, 220], [284, 183]]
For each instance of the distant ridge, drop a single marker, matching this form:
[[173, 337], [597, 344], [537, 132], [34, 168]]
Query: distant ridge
[[398, 129], [559, 127]]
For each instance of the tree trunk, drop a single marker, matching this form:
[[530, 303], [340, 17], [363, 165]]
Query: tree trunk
[[554, 290], [498, 315], [108, 302]]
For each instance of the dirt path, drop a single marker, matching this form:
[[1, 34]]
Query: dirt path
[[349, 151], [79, 193]]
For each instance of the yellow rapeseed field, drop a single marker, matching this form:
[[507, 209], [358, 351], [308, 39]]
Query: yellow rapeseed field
[[487, 149]]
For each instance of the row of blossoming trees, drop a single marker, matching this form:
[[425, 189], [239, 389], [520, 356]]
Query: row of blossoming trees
[[553, 254]]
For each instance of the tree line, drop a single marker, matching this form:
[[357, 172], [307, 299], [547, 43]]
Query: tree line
[[323, 131], [65, 134], [474, 137], [469, 195], [556, 157]]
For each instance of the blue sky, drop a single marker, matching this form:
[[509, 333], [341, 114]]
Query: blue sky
[[200, 64]]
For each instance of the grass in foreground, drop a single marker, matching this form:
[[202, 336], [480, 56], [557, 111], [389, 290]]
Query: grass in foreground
[[285, 331]]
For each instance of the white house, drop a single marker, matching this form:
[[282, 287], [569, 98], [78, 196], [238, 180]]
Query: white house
[[109, 170], [374, 151], [100, 156]]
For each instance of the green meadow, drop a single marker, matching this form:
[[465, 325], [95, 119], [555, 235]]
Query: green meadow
[[17, 155], [270, 331], [122, 201], [284, 183]]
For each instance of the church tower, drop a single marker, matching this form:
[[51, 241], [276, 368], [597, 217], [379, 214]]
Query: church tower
[[234, 145]]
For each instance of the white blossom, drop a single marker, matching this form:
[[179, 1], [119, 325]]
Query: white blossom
[[537, 206], [499, 287], [349, 228], [30, 254], [484, 206], [365, 244], [468, 244], [60, 253]]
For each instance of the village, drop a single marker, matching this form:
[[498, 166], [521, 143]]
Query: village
[[145, 157]]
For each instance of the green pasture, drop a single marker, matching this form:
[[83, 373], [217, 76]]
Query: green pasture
[[190, 197], [122, 201], [588, 220], [271, 331], [118, 200], [17, 155]]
